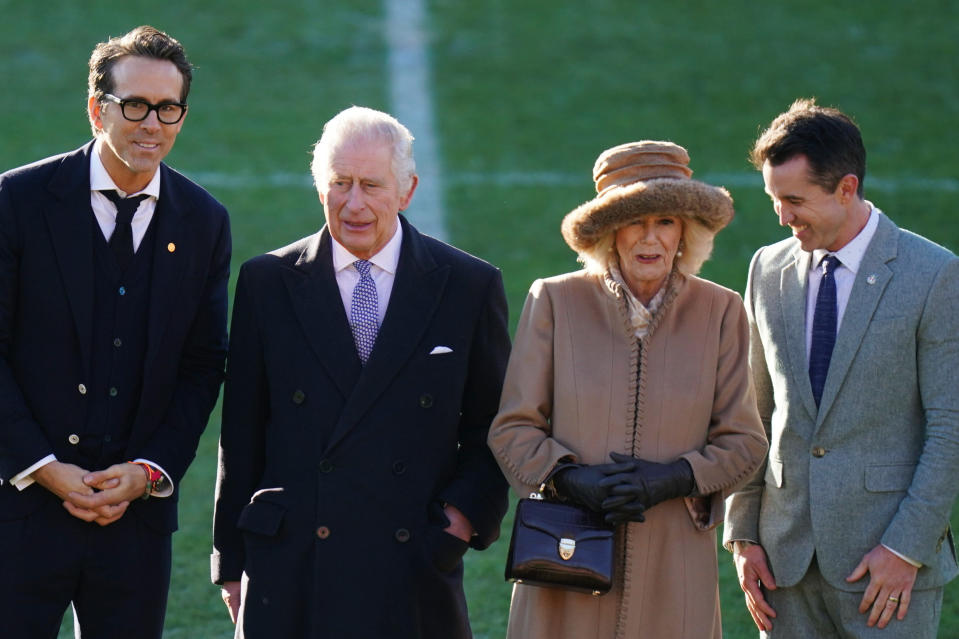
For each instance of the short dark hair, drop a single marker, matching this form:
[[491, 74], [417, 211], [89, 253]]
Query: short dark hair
[[828, 138], [143, 41]]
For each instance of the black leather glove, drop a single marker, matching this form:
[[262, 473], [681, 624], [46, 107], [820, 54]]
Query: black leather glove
[[583, 484], [633, 492]]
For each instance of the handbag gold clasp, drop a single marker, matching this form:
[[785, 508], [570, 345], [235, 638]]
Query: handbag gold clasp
[[567, 547]]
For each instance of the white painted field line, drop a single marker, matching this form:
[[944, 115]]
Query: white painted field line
[[411, 101], [542, 179]]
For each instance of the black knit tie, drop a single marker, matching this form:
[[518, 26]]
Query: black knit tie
[[121, 242]]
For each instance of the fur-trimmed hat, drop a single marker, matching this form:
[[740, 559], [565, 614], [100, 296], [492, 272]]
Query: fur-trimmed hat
[[648, 178]]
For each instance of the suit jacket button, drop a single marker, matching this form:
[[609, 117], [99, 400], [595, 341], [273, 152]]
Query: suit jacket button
[[326, 466], [402, 535], [426, 400], [298, 397], [73, 439], [82, 388], [818, 451], [399, 467], [322, 532]]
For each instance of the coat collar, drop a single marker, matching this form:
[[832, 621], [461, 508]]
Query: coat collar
[[71, 225], [417, 290], [871, 281]]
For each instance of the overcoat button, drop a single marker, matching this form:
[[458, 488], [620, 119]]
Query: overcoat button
[[818, 451], [82, 388], [402, 535], [322, 532], [117, 342], [426, 400], [399, 467], [298, 396], [113, 391], [326, 466], [73, 439]]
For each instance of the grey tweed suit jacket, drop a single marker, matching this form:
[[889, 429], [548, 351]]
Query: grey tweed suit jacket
[[878, 462]]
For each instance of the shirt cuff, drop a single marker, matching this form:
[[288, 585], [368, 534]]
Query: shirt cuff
[[166, 484], [911, 562], [24, 479]]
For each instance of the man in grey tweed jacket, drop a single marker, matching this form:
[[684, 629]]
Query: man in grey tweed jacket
[[846, 530]]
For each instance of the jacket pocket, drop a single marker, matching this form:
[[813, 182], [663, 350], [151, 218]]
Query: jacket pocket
[[888, 478], [261, 517], [774, 472]]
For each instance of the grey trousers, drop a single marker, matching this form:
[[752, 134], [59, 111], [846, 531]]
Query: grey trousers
[[814, 609]]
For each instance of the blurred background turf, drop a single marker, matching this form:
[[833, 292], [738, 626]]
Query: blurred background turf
[[526, 95]]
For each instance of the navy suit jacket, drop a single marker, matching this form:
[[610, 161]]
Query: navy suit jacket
[[333, 475], [46, 325]]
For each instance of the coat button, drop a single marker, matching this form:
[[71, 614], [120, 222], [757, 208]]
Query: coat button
[[399, 467], [818, 451], [117, 342], [326, 466], [426, 400], [113, 391], [402, 535], [322, 532], [298, 396], [82, 388], [73, 439]]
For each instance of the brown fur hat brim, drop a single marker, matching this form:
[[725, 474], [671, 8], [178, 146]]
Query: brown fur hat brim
[[710, 206]]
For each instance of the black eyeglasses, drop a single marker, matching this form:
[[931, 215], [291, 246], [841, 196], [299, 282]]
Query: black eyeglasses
[[138, 110]]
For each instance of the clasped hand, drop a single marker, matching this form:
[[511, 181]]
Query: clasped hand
[[101, 497], [626, 488]]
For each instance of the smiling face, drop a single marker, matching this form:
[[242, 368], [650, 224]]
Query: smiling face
[[646, 252], [362, 199], [131, 152], [818, 218]]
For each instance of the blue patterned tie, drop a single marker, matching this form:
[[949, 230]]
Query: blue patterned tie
[[823, 327], [363, 311]]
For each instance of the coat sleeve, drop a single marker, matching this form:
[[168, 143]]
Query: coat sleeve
[[742, 506], [735, 442], [921, 522], [22, 441], [478, 488], [520, 436], [200, 370], [241, 452]]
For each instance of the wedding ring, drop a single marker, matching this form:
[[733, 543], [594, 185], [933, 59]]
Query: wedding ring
[[893, 599]]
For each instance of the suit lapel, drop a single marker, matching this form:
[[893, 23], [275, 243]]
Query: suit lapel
[[871, 281], [173, 253], [417, 291], [793, 296], [315, 297], [71, 224]]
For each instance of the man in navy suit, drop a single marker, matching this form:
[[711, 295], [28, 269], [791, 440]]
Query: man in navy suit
[[366, 363], [113, 297]]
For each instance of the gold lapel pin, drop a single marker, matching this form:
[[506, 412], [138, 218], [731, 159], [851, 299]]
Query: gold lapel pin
[[172, 247], [871, 279]]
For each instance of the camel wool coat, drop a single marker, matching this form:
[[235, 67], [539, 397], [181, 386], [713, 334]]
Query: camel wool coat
[[580, 385]]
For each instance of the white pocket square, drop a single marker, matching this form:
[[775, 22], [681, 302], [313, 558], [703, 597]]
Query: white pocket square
[[441, 350]]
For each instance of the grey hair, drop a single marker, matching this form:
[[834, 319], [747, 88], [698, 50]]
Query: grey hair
[[697, 244], [362, 124]]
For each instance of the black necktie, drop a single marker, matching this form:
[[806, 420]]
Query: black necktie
[[121, 242], [823, 327]]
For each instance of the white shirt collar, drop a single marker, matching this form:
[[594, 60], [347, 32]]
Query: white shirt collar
[[388, 257], [100, 180], [852, 253]]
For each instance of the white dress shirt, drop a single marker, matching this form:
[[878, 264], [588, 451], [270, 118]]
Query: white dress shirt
[[105, 212], [383, 272], [850, 257]]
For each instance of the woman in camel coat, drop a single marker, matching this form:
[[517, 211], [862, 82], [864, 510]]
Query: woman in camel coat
[[627, 392]]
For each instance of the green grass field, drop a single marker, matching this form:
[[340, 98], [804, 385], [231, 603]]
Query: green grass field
[[525, 96]]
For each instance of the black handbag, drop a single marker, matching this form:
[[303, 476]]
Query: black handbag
[[560, 546]]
